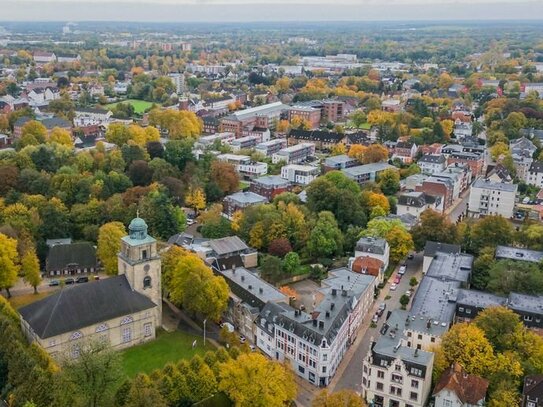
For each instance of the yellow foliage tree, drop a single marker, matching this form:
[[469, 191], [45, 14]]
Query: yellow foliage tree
[[342, 398], [338, 149], [61, 136], [8, 263], [300, 123], [251, 380], [282, 126], [30, 266], [196, 199], [448, 127], [237, 219], [357, 151], [109, 245], [257, 235], [500, 149], [33, 133], [376, 199]]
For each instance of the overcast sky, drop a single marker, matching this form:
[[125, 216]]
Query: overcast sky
[[268, 10]]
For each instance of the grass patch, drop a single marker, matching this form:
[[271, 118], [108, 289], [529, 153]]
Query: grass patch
[[19, 301], [140, 106], [167, 347], [243, 185]]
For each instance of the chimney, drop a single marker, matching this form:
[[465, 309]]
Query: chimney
[[332, 306], [416, 352], [242, 278], [260, 290], [250, 287], [327, 314], [321, 324], [428, 324], [344, 293], [315, 322], [334, 291]]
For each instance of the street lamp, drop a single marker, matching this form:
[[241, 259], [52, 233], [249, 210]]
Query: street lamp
[[205, 320]]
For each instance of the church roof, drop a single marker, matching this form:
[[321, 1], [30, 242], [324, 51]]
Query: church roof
[[81, 305]]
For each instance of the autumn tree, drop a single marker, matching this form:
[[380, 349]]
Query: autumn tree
[[341, 398], [193, 286], [375, 153], [196, 199], [8, 263], [251, 380], [395, 233], [117, 133], [30, 267], [225, 176], [389, 181], [300, 123], [144, 393], [338, 149], [61, 136], [357, 151], [180, 124], [434, 227], [109, 245], [279, 247], [491, 231], [33, 133]]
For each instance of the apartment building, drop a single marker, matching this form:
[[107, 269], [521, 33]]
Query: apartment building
[[299, 174], [245, 167], [534, 175], [475, 160], [492, 198], [239, 201], [209, 141], [366, 173], [269, 148], [373, 247], [244, 143], [415, 203], [310, 114], [334, 110], [295, 154], [270, 186], [339, 162], [432, 163]]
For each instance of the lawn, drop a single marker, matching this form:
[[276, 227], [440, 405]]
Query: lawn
[[168, 347], [18, 301], [243, 185], [140, 106]]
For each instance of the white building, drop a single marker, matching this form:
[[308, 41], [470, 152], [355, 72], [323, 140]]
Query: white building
[[373, 247], [432, 163], [457, 388], [299, 174], [534, 175], [178, 80], [294, 154], [269, 148], [415, 203], [243, 143], [244, 165], [492, 198], [91, 116]]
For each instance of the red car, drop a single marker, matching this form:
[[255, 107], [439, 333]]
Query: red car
[[397, 279]]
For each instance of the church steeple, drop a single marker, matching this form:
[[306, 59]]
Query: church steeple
[[137, 229]]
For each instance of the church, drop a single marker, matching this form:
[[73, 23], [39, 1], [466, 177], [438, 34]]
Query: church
[[124, 310]]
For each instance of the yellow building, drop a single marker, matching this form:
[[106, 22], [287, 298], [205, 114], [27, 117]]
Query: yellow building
[[124, 310]]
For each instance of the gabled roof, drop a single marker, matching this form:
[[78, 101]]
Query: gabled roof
[[83, 254], [431, 248], [227, 245], [533, 387], [316, 135], [470, 389], [82, 305]]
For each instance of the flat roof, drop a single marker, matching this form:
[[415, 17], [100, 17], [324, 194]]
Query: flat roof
[[229, 244], [498, 186], [258, 110], [526, 303], [451, 266], [366, 169], [253, 285], [271, 180], [479, 299], [247, 197], [517, 253], [338, 159], [435, 299]]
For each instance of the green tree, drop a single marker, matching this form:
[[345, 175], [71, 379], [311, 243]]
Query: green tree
[[434, 227], [325, 239], [33, 133], [251, 380], [143, 393], [109, 245], [163, 218], [491, 231], [500, 326], [117, 133], [389, 181], [271, 267], [404, 300], [291, 262]]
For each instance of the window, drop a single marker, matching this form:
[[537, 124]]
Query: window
[[380, 374], [147, 282], [420, 337], [301, 369], [312, 377], [413, 396], [468, 311], [76, 351], [147, 329], [101, 328], [409, 334], [127, 320], [447, 403], [324, 369], [127, 334], [324, 357], [396, 378], [432, 339], [76, 335], [528, 318], [52, 342], [379, 386], [416, 372], [415, 384], [144, 254], [397, 368], [461, 309]]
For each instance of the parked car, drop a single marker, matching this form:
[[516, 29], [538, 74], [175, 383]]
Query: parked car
[[393, 287], [409, 293], [97, 277], [375, 318], [411, 256], [242, 339], [83, 279], [54, 283], [190, 222], [397, 279], [402, 270], [69, 281], [381, 309]]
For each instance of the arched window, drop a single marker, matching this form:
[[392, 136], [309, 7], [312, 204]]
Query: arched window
[[76, 335], [147, 282], [101, 328], [127, 320]]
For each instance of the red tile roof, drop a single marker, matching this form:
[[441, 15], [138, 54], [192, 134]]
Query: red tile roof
[[468, 388], [367, 265]]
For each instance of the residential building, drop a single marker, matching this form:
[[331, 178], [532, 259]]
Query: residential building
[[456, 387], [491, 198], [534, 175], [368, 172], [43, 57], [518, 253], [323, 140], [438, 187], [299, 174], [239, 201], [269, 148], [294, 154], [373, 247], [49, 123], [260, 116], [417, 202], [534, 87], [470, 302], [209, 141], [71, 259], [244, 143], [432, 248], [246, 168], [405, 151], [91, 116], [334, 110], [270, 186], [124, 310], [309, 114], [339, 162], [432, 163], [532, 391], [475, 160], [368, 265], [463, 130]]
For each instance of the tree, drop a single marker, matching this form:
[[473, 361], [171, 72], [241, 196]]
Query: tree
[[434, 227], [92, 378], [251, 380], [9, 176], [143, 393], [163, 218], [445, 81], [505, 276], [196, 199], [109, 245], [193, 286], [61, 136], [338, 149], [389, 181], [404, 300], [140, 173], [178, 124], [225, 176], [394, 232], [33, 133], [413, 282], [357, 151], [491, 231], [375, 153], [117, 133], [271, 267], [30, 266], [358, 118], [499, 150], [467, 345], [325, 239], [342, 398], [500, 326], [279, 247], [179, 152], [291, 263], [8, 263]]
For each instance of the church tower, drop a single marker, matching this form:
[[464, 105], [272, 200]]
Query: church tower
[[140, 262]]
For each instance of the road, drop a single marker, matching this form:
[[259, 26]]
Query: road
[[349, 375], [459, 207]]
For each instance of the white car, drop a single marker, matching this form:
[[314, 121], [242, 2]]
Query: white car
[[402, 270], [190, 222], [393, 287]]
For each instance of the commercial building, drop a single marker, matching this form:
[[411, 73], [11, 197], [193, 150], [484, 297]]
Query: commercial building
[[261, 116]]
